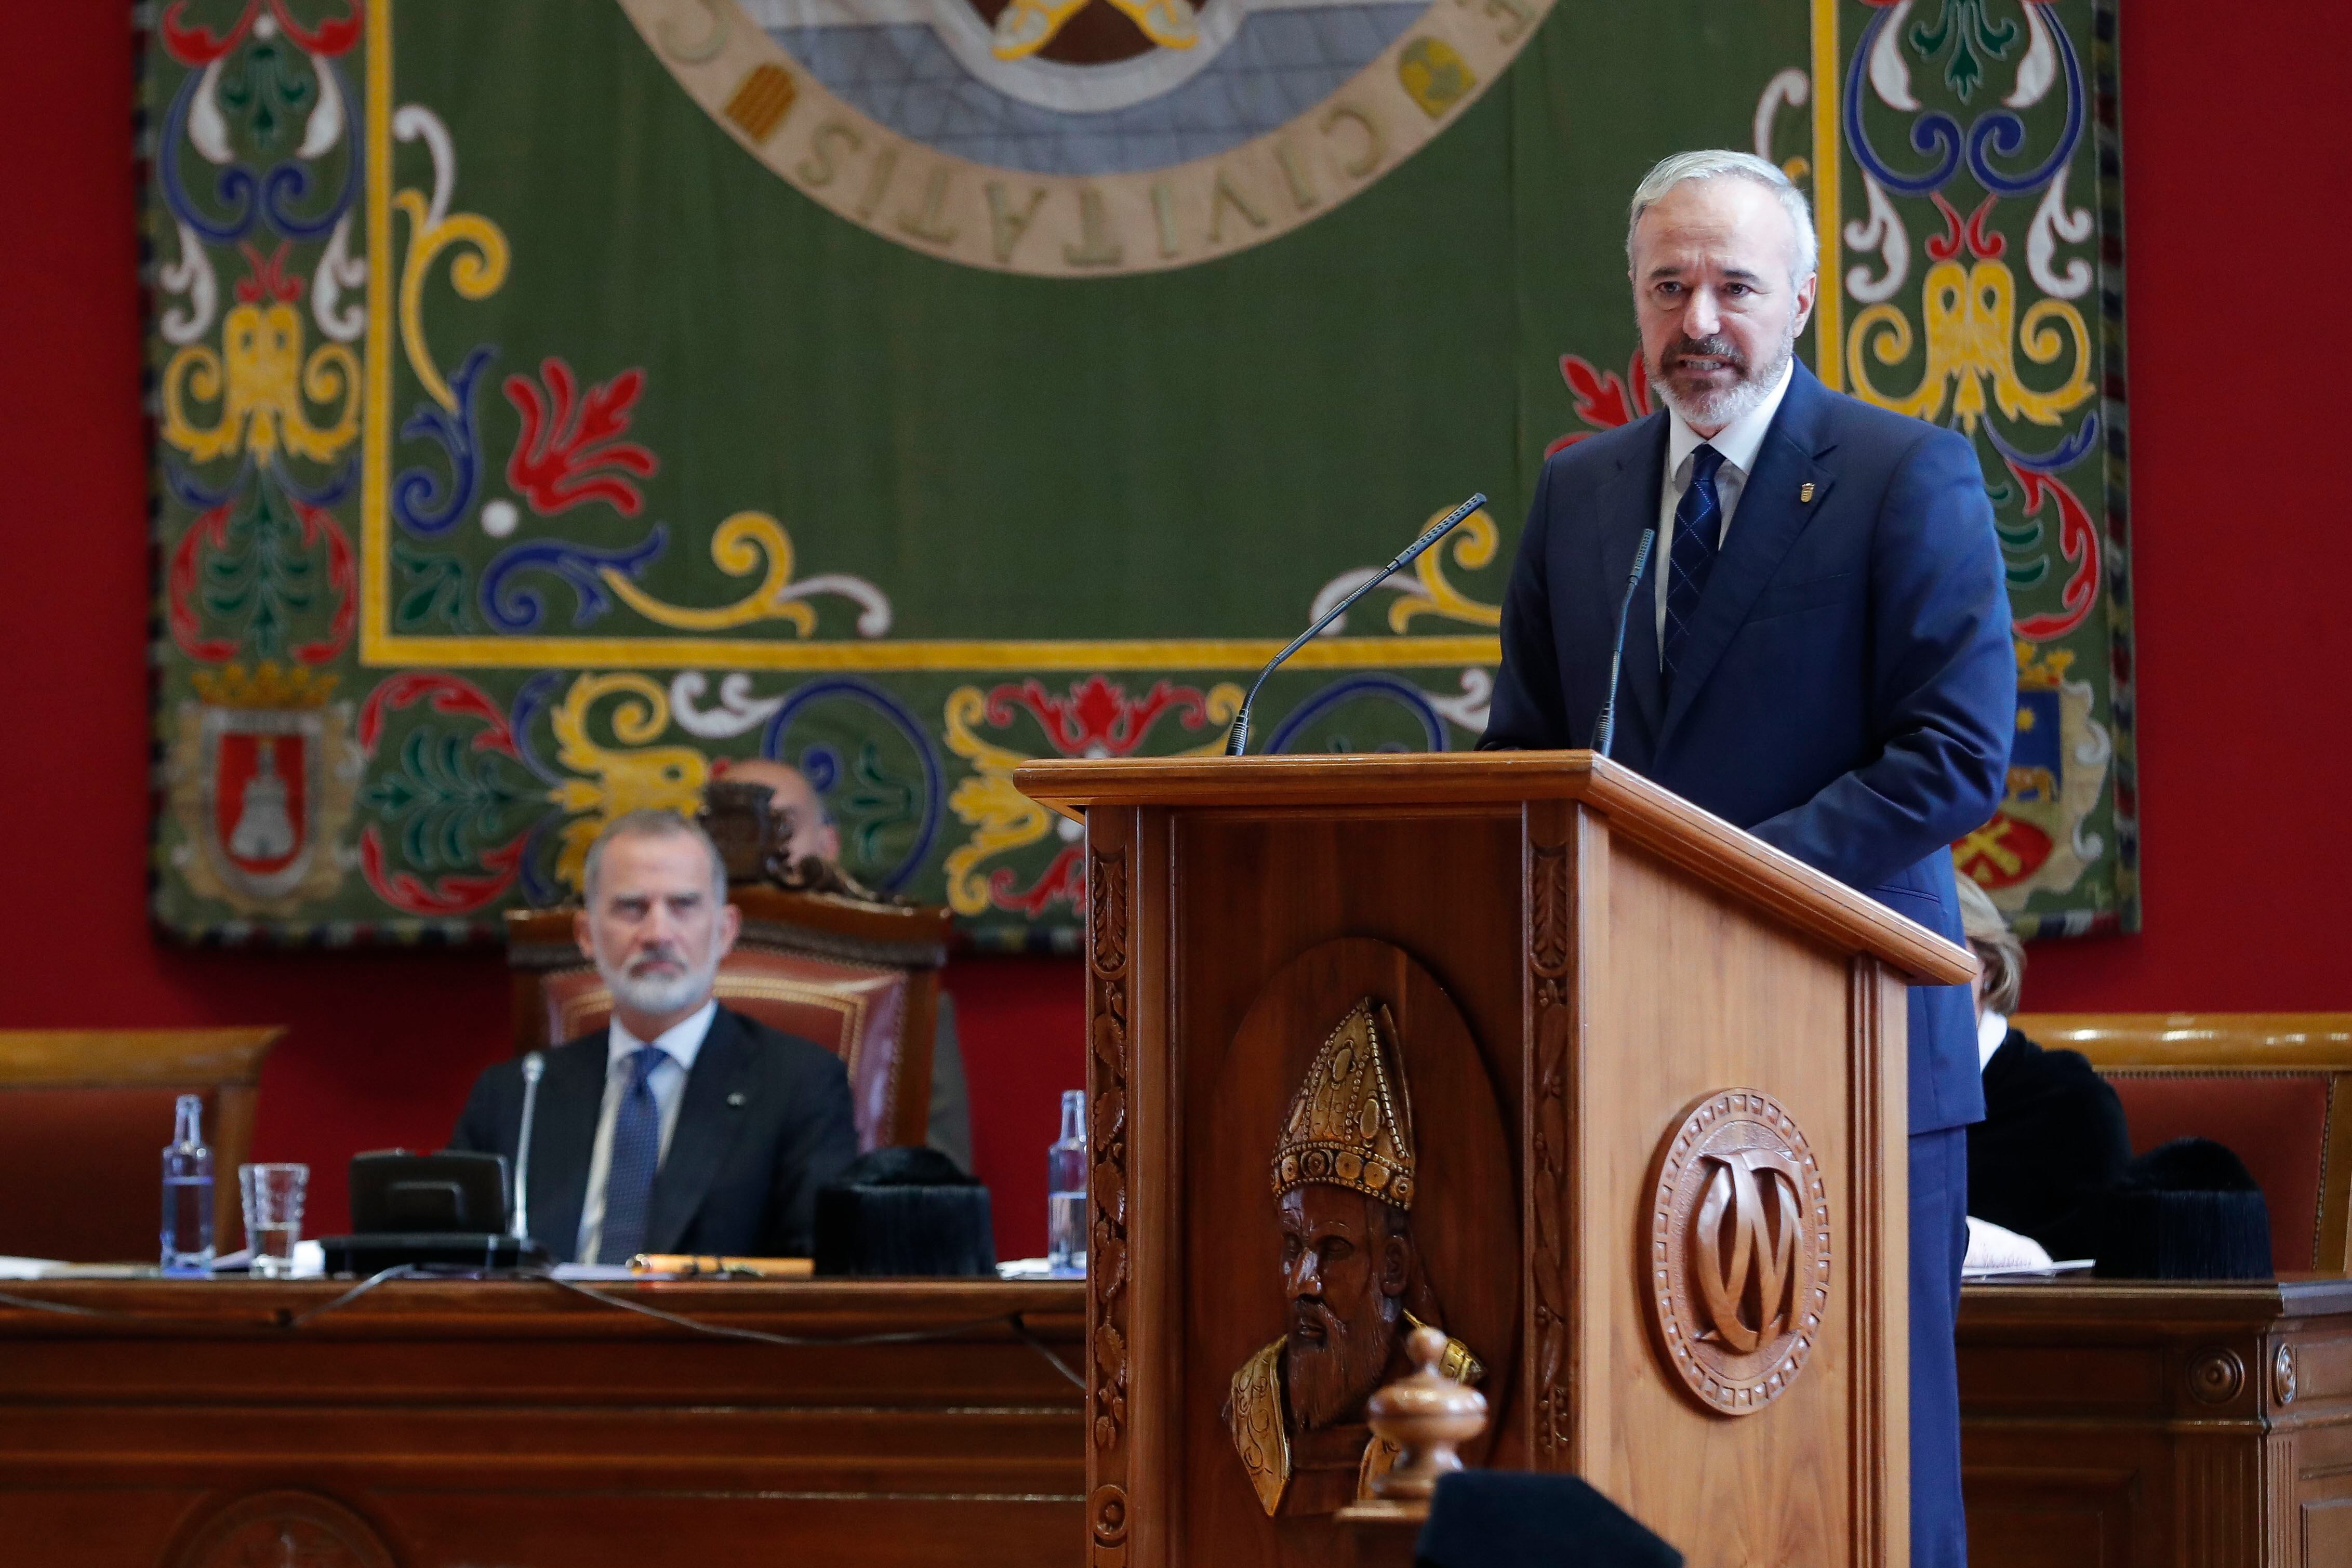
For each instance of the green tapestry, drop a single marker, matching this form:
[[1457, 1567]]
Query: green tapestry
[[557, 399]]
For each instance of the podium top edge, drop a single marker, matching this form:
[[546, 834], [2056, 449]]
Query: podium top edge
[[1636, 809]]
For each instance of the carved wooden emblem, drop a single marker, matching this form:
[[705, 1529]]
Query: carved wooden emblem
[[1739, 1251]]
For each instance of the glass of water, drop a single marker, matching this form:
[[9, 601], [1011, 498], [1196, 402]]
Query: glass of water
[[273, 1214]]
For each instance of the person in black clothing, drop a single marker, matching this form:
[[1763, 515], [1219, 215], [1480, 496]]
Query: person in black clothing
[[2054, 1139]]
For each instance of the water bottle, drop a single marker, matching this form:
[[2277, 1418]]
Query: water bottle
[[1065, 1189], [188, 1195]]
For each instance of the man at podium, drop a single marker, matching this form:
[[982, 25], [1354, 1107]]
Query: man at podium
[[1817, 651]]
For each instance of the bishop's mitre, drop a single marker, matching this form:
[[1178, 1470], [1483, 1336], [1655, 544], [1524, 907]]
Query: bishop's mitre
[[1351, 1124]]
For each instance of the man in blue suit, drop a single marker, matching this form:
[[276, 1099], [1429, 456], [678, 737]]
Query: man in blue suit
[[1818, 651]]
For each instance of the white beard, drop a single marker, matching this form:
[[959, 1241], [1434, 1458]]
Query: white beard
[[1735, 402], [656, 994]]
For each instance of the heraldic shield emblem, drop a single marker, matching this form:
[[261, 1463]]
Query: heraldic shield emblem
[[1083, 138], [264, 772], [1738, 1250]]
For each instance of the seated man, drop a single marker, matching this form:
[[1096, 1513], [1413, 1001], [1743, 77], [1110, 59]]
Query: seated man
[[2054, 1139], [815, 836], [681, 1126]]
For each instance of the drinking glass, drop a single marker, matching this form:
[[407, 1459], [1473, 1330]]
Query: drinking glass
[[273, 1214]]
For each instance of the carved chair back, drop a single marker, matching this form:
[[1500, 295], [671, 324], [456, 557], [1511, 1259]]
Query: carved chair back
[[860, 979], [84, 1116], [2274, 1087]]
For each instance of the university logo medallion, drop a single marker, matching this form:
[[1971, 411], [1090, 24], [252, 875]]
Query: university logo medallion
[[1077, 138], [1739, 1252]]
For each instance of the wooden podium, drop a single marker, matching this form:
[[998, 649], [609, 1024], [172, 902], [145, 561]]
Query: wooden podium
[[1655, 1080]]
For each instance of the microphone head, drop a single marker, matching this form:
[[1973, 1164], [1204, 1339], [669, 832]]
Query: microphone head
[[534, 1066]]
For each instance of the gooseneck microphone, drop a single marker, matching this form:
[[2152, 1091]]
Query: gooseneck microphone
[[1604, 729], [533, 1067], [1237, 742]]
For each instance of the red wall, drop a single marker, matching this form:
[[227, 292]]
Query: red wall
[[2234, 140]]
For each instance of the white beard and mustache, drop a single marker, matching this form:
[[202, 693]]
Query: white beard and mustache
[[656, 994], [1328, 1383], [1742, 397]]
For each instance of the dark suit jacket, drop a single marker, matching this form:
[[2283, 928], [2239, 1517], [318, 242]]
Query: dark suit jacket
[[765, 1122], [1848, 692], [2053, 1141]]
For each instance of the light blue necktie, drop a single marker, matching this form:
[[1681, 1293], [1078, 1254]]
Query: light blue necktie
[[1698, 525], [636, 1153]]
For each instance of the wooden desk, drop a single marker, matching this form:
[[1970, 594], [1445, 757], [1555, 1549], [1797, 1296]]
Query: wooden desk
[[2130, 1426], [516, 1424]]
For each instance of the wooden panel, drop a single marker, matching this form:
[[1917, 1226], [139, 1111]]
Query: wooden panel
[[2054, 1517], [1759, 877], [1308, 881], [2162, 1415], [1464, 1216], [1698, 998], [517, 1423]]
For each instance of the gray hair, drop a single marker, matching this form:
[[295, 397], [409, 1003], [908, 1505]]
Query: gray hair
[[1718, 164], [652, 822], [1996, 947]]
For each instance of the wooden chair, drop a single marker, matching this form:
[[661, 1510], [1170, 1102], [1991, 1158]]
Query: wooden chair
[[2274, 1087], [84, 1116], [861, 979]]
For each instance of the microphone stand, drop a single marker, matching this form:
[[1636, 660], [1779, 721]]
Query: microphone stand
[[533, 1067], [1237, 742], [1605, 727]]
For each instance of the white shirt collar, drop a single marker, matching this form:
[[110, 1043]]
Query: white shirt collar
[[1737, 441], [682, 1040], [1991, 1030]]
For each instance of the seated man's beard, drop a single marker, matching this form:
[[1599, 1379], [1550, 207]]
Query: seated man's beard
[[657, 992], [1329, 1381]]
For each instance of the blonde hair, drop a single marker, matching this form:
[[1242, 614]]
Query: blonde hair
[[1996, 947]]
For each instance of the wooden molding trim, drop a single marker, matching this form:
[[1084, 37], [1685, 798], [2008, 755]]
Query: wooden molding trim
[[133, 1058], [1638, 810], [2223, 1040]]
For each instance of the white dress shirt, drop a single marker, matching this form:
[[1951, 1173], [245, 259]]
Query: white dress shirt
[[1738, 442], [679, 1045], [1991, 1030]]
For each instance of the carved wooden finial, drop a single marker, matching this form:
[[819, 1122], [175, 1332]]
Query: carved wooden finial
[[1427, 1415]]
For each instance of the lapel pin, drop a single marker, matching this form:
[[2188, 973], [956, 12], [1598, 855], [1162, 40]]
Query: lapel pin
[[736, 1100], [1805, 492]]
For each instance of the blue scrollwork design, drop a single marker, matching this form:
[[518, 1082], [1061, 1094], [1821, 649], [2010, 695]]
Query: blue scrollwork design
[[822, 765], [1402, 692], [1996, 133], [2064, 455], [513, 606], [190, 493], [2002, 133], [290, 183], [1929, 133], [540, 889], [236, 186], [246, 194], [418, 500], [332, 494]]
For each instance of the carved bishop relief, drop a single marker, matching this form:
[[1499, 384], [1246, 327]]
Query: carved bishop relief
[[1107, 944], [1739, 1251]]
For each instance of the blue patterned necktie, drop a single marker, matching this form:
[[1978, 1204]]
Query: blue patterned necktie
[[637, 1153], [1698, 526]]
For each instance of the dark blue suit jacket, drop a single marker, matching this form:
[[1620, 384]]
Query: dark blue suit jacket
[[1849, 690], [765, 1122]]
